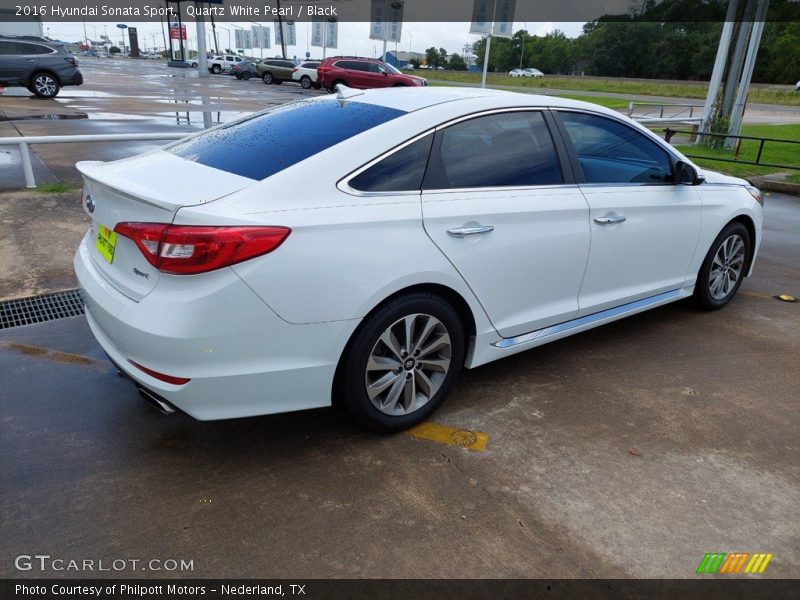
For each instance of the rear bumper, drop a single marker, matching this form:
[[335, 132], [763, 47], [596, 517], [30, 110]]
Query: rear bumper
[[74, 78], [241, 358]]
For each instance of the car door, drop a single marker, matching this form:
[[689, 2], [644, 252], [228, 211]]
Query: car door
[[499, 205], [355, 74], [644, 226], [378, 76], [16, 61]]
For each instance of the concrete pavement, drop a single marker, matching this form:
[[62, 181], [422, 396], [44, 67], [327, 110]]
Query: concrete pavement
[[630, 450]]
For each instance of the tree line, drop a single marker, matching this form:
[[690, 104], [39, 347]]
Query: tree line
[[650, 50]]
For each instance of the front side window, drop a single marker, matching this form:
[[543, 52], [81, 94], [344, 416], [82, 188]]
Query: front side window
[[266, 143], [612, 152], [398, 172], [506, 149]]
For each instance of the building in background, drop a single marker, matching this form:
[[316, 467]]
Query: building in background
[[402, 58], [8, 26]]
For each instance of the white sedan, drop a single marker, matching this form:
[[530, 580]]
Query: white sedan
[[436, 229], [516, 73]]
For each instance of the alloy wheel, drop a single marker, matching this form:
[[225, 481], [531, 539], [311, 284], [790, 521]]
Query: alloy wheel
[[408, 364], [727, 266], [45, 85]]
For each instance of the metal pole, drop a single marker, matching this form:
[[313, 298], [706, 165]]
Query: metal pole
[[522, 49], [719, 69], [280, 26], [488, 46], [202, 59], [737, 111], [25, 155]]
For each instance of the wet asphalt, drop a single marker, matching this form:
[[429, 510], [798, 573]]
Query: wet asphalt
[[629, 450]]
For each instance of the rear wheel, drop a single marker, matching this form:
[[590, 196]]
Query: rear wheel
[[44, 85], [246, 76], [305, 82], [335, 83], [216, 69], [267, 78], [402, 362], [724, 267]]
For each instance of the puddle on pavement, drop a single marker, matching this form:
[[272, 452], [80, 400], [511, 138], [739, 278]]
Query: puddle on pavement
[[4, 117], [7, 158]]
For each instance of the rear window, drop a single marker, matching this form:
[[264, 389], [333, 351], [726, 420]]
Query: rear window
[[267, 143]]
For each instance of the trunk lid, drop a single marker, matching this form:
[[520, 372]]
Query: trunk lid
[[145, 189]]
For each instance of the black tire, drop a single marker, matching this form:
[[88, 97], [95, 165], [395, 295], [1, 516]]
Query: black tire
[[305, 82], [216, 69], [44, 85], [277, 81], [238, 76], [353, 375], [194, 65], [246, 76], [267, 78], [712, 270], [335, 83]]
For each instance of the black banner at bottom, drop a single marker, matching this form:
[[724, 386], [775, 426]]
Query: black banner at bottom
[[399, 589]]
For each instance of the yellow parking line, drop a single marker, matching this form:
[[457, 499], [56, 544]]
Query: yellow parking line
[[450, 436], [756, 295]]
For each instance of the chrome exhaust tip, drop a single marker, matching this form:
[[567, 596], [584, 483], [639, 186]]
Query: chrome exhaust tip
[[161, 405]]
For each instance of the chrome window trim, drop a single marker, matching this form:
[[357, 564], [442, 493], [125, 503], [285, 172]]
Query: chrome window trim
[[343, 185], [661, 143], [523, 188]]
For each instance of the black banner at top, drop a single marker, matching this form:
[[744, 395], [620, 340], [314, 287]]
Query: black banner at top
[[411, 10]]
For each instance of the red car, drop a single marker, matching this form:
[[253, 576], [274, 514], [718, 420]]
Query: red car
[[363, 73]]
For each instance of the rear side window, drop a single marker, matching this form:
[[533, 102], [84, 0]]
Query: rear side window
[[310, 65], [610, 152], [399, 172], [507, 149], [267, 143], [6, 48]]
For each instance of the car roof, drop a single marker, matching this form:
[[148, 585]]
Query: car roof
[[411, 99]]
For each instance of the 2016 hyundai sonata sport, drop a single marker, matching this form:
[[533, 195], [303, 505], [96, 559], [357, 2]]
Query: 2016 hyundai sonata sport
[[367, 246]]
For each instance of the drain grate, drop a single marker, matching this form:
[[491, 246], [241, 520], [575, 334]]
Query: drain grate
[[38, 309]]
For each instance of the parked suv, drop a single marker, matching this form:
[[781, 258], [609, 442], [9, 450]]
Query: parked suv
[[275, 70], [38, 65], [363, 73], [225, 62]]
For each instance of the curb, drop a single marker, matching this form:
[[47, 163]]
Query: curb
[[771, 185]]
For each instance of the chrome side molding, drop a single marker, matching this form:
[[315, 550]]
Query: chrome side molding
[[587, 320]]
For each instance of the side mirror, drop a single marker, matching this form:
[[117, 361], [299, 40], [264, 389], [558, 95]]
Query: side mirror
[[685, 174]]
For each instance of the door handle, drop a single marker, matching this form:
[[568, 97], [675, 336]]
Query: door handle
[[609, 220], [460, 232], [30, 60]]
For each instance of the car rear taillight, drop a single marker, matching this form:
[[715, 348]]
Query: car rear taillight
[[161, 376], [295, 70], [72, 60], [190, 249]]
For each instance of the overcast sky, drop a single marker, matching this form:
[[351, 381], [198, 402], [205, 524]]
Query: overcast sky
[[353, 37]]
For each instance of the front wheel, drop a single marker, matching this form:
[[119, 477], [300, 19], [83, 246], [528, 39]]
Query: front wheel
[[216, 69], [724, 267], [402, 362], [246, 76], [267, 78]]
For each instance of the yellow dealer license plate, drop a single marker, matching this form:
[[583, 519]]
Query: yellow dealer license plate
[[105, 242]]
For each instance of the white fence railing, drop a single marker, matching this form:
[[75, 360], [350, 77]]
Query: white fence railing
[[25, 154]]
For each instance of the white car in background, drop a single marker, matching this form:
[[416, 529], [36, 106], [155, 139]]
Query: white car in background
[[225, 62], [797, 87], [306, 74], [436, 229], [516, 73], [533, 73]]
